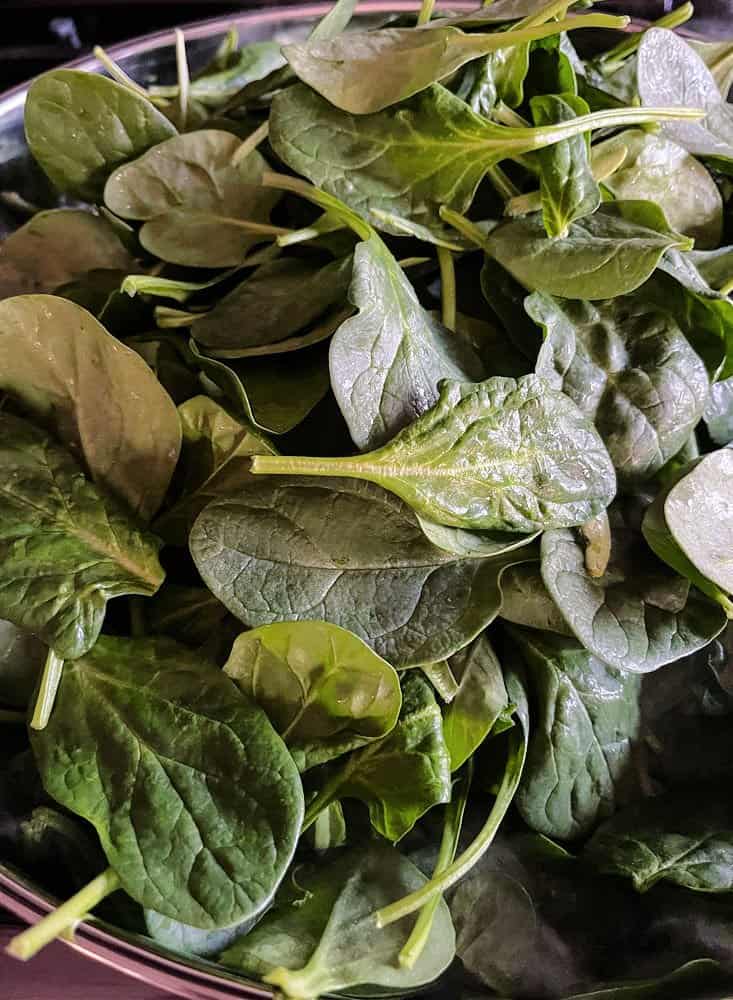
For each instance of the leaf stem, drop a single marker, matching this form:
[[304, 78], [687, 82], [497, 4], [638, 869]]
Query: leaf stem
[[29, 942], [184, 78], [557, 8], [415, 944], [50, 680], [628, 46], [426, 11], [447, 287], [326, 223], [727, 288], [251, 142], [326, 795], [119, 76], [283, 182], [474, 852], [441, 677], [462, 225], [504, 185]]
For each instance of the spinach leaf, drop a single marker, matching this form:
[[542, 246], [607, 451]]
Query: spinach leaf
[[567, 186], [497, 77], [187, 940], [325, 691], [579, 759], [526, 600], [657, 169], [668, 68], [629, 368], [606, 254], [718, 57], [65, 547], [386, 362], [400, 776], [215, 461], [99, 396], [195, 799], [366, 71], [270, 555], [480, 700], [638, 615], [470, 461], [57, 247], [476, 544], [701, 977], [329, 941], [21, 659], [260, 310], [218, 85], [684, 837], [408, 160], [108, 125], [718, 412], [274, 394]]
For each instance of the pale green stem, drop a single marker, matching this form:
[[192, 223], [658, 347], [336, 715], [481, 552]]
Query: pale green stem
[[327, 223], [463, 226], [12, 716], [504, 115], [50, 680], [118, 74], [324, 798], [167, 318], [441, 677], [727, 287], [558, 8], [283, 182], [475, 851], [483, 43], [426, 11], [415, 944], [184, 78], [614, 58], [251, 142], [504, 185], [29, 942], [447, 287], [408, 262]]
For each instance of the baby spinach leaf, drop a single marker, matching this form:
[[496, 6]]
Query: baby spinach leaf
[[498, 77], [270, 555], [329, 941], [698, 515], [205, 239], [262, 309], [401, 776], [65, 547], [470, 461], [366, 71], [629, 368], [273, 393], [215, 461], [195, 799], [669, 68], [684, 837], [21, 659], [657, 169], [386, 362], [187, 940], [408, 160], [322, 330], [527, 601], [325, 691], [718, 412], [215, 89], [479, 701], [57, 247], [638, 615], [475, 544], [606, 254], [579, 759], [567, 186], [107, 123], [718, 57], [99, 396], [702, 977]]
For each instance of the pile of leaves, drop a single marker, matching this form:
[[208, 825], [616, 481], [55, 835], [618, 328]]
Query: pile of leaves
[[366, 508]]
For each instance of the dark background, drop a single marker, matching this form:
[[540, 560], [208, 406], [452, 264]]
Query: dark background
[[38, 34]]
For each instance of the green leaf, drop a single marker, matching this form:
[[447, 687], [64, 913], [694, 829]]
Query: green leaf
[[702, 977], [81, 126], [629, 368], [480, 700], [187, 940], [324, 690], [671, 71], [407, 161], [684, 837], [215, 461], [250, 63], [65, 548], [99, 396], [475, 544], [386, 362], [567, 186], [498, 77], [273, 393], [718, 57], [718, 412], [329, 940], [280, 298], [658, 169], [401, 776], [606, 254], [57, 247], [271, 555], [579, 756], [195, 799], [527, 601], [470, 461], [638, 615], [21, 659]]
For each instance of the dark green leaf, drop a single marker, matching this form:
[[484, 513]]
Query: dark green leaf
[[526, 600], [195, 799], [718, 412], [187, 940]]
